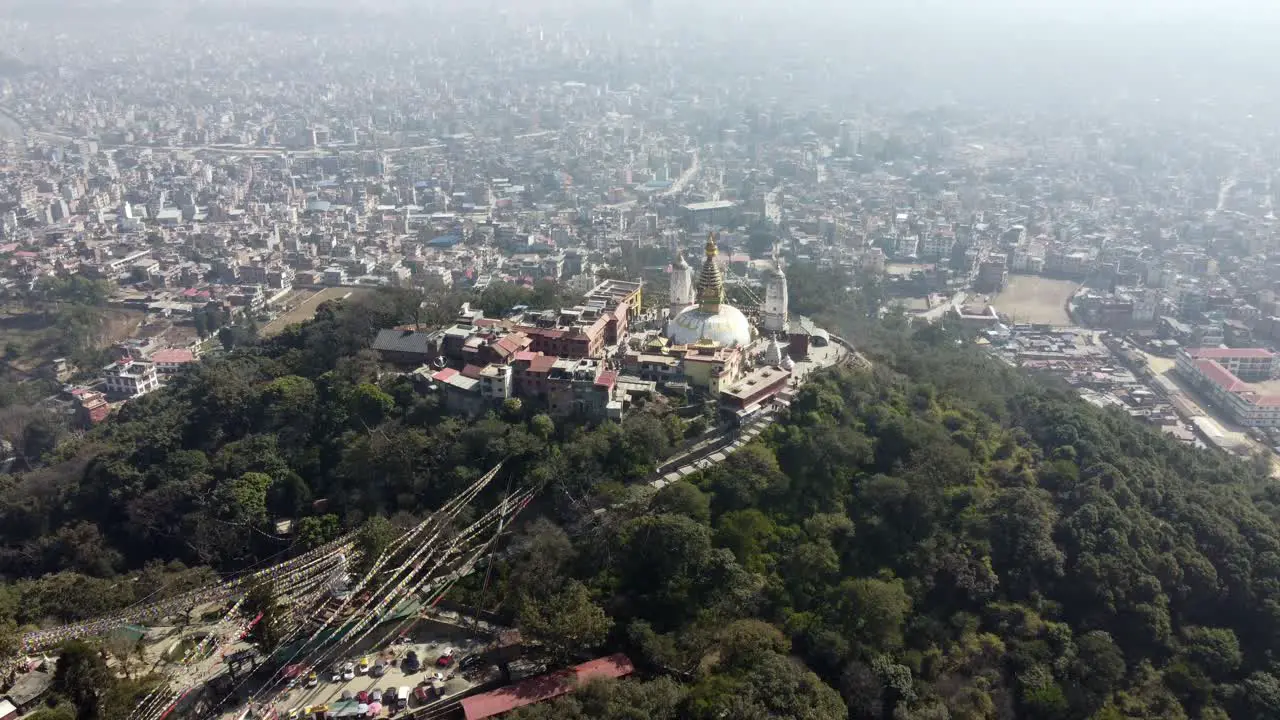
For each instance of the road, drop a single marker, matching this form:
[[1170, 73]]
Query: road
[[685, 178], [1224, 191]]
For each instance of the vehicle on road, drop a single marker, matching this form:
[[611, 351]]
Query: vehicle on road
[[446, 658], [364, 666], [411, 663], [349, 672], [313, 680], [379, 668]]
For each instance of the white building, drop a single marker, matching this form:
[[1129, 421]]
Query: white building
[[126, 379], [682, 291], [495, 382], [773, 316]]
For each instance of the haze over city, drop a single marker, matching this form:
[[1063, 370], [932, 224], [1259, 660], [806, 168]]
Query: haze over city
[[616, 359]]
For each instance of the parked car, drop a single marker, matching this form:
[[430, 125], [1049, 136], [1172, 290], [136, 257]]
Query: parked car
[[402, 698], [470, 661], [411, 663], [313, 680], [349, 671], [362, 696], [422, 694], [363, 667], [446, 658], [379, 668], [375, 696]]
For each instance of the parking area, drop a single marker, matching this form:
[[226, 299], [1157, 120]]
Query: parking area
[[391, 673]]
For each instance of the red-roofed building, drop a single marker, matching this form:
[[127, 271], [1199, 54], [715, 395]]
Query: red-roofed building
[[1248, 364], [1211, 371], [544, 687], [91, 407], [170, 360]]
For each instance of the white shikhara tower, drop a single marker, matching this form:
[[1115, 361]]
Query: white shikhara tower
[[773, 314], [682, 292]]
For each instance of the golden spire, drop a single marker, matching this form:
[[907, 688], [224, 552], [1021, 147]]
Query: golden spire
[[710, 282]]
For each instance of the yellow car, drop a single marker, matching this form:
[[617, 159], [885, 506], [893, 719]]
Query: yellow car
[[294, 714], [317, 709], [364, 666]]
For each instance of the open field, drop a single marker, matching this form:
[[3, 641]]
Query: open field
[[36, 342], [305, 309], [1033, 299]]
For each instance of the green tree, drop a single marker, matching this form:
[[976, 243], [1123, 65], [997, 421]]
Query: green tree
[[682, 498], [82, 677], [873, 611], [374, 537], [371, 405], [246, 497], [565, 624], [268, 631], [316, 530]]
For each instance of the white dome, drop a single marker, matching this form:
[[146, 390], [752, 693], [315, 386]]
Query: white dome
[[725, 325]]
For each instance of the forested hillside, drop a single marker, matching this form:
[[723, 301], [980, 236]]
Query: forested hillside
[[939, 538], [299, 426]]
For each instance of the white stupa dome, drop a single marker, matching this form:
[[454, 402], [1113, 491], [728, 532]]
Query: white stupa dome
[[711, 319], [726, 325]]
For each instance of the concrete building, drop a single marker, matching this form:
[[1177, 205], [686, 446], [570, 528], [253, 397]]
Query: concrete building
[[1247, 364], [129, 378]]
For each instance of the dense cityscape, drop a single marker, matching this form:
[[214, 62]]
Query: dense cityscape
[[620, 360]]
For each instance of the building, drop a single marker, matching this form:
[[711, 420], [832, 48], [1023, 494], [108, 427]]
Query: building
[[91, 407], [129, 378], [29, 689], [496, 382], [461, 394], [1248, 364], [406, 347], [653, 367], [171, 360], [993, 274], [1251, 404], [711, 367], [543, 687], [711, 319], [773, 316], [753, 389], [712, 212]]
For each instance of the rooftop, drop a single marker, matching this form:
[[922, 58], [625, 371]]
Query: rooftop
[[1230, 353], [709, 205], [544, 687]]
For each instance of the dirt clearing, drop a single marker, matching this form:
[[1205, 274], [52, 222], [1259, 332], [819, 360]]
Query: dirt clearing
[[1033, 299], [304, 307]]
